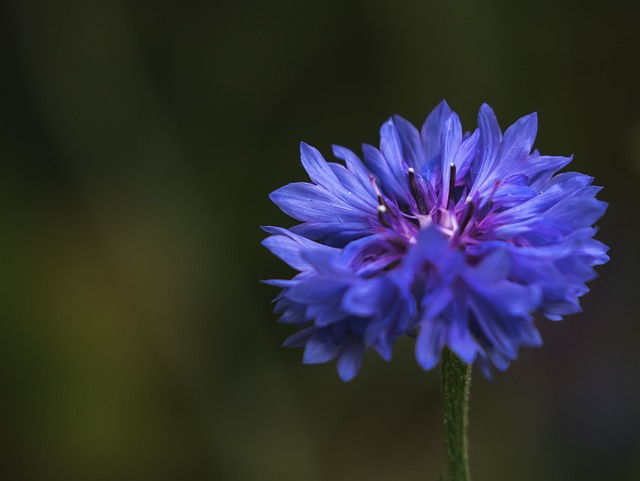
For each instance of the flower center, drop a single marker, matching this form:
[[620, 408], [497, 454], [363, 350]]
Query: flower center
[[454, 218]]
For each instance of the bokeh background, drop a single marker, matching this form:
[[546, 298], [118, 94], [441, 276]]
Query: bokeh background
[[139, 142]]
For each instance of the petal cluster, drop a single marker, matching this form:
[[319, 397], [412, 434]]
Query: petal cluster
[[453, 238]]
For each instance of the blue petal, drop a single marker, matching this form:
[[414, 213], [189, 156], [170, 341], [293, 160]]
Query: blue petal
[[383, 349], [501, 157], [328, 262], [566, 204], [288, 246], [410, 141], [336, 234], [391, 148], [540, 168], [467, 153], [505, 297], [490, 137], [361, 299], [308, 202], [511, 194], [495, 266], [516, 145], [299, 339], [437, 301], [317, 351], [350, 360], [315, 292], [280, 282], [431, 131], [431, 339], [485, 366], [577, 213], [352, 190], [354, 165], [493, 326], [387, 164], [461, 342], [433, 247], [325, 314], [498, 359], [317, 168], [293, 315], [451, 139]]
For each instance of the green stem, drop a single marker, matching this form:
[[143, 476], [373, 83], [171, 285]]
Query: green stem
[[456, 381]]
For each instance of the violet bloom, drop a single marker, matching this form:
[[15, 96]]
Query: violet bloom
[[455, 239]]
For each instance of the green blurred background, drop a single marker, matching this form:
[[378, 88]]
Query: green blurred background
[[139, 143]]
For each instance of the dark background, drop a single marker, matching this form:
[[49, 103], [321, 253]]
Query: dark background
[[139, 143]]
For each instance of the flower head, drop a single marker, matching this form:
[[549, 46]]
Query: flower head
[[453, 238]]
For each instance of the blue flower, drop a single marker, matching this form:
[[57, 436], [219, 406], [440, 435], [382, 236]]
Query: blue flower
[[453, 238]]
